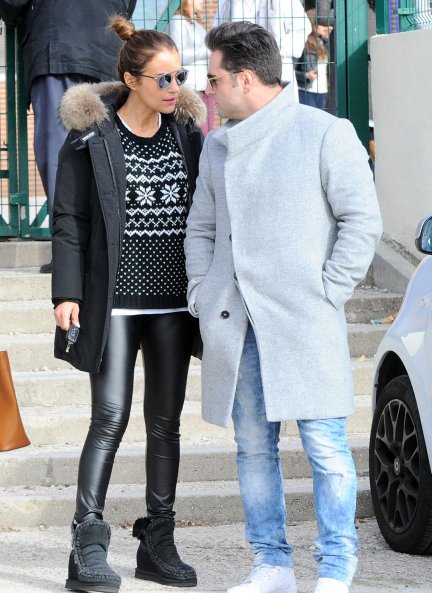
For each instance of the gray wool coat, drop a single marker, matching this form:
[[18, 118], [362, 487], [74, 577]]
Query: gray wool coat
[[284, 224]]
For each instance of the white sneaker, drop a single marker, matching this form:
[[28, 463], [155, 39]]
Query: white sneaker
[[325, 585], [268, 579]]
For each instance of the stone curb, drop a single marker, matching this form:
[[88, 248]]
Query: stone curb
[[209, 503]]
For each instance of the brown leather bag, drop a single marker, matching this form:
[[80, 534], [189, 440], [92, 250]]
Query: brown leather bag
[[12, 433]]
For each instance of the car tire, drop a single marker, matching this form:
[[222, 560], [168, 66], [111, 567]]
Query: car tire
[[399, 471]]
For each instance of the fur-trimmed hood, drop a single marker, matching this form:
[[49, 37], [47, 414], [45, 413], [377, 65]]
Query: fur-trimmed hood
[[83, 105]]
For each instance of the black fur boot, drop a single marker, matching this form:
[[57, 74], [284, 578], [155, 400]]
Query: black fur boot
[[88, 568], [157, 556]]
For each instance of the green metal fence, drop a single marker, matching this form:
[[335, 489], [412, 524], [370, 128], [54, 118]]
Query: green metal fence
[[394, 16], [351, 30], [23, 210]]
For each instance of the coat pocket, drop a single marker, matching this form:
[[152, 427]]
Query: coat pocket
[[327, 296]]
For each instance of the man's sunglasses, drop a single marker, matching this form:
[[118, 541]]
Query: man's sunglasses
[[164, 80], [213, 80]]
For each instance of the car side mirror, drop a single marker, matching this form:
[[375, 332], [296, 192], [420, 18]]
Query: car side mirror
[[423, 239]]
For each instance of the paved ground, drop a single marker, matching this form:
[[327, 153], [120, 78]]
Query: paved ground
[[35, 560]]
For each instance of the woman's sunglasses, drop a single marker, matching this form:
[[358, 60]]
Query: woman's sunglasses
[[164, 80]]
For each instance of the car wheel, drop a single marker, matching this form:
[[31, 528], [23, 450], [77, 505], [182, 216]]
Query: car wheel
[[399, 471]]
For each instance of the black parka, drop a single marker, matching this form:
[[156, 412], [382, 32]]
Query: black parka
[[89, 207], [66, 36]]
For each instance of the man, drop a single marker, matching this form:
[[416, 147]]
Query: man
[[283, 225], [64, 43], [286, 20]]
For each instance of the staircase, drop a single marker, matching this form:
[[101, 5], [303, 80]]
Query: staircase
[[37, 483]]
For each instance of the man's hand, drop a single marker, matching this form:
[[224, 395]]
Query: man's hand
[[67, 313]]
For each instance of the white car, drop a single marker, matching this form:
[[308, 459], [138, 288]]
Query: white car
[[401, 434]]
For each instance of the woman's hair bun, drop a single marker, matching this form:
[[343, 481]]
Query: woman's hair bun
[[122, 27]]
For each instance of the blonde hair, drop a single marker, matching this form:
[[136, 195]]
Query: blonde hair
[[187, 9], [122, 27], [314, 43], [140, 47]]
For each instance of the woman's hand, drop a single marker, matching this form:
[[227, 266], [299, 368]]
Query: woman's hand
[[311, 75], [67, 314]]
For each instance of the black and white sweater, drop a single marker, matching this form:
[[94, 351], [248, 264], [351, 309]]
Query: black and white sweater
[[152, 273]]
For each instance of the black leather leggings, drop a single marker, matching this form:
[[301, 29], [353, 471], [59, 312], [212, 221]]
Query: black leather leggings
[[166, 342]]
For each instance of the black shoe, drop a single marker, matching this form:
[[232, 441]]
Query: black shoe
[[46, 268], [88, 567], [157, 556]]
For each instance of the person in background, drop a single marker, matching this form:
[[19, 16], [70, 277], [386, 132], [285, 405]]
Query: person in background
[[64, 43], [372, 146], [284, 224], [286, 20], [189, 36], [125, 178], [312, 68]]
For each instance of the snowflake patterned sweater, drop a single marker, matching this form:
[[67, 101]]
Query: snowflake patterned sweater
[[152, 273]]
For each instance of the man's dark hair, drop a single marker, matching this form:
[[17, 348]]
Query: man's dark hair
[[245, 46]]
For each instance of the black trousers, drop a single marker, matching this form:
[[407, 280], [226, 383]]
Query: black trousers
[[165, 341]]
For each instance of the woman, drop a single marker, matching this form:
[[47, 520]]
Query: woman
[[125, 178], [189, 36], [312, 67]]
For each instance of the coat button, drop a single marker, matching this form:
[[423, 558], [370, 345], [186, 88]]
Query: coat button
[[235, 276], [225, 314], [230, 238]]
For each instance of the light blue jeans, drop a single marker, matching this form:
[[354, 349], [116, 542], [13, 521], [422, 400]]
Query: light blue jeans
[[261, 483]]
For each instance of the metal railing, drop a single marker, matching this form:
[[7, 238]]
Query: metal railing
[[398, 16], [155, 14], [23, 210]]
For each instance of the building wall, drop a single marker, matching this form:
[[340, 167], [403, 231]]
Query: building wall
[[402, 97]]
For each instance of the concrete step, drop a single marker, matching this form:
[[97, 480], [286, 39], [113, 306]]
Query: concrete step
[[362, 369], [53, 466], [69, 425], [31, 352], [208, 503], [34, 315], [370, 303], [19, 253], [26, 317], [34, 352], [42, 388], [24, 284], [364, 338], [53, 388]]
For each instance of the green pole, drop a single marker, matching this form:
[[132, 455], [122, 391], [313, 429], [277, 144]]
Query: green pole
[[162, 23], [13, 227], [381, 12], [357, 67], [341, 58], [28, 229]]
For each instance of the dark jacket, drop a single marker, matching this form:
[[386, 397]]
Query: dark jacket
[[307, 61], [67, 37], [89, 207]]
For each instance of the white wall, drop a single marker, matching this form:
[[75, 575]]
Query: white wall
[[402, 113]]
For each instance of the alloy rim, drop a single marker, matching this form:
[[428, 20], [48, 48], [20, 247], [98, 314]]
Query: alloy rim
[[397, 466]]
